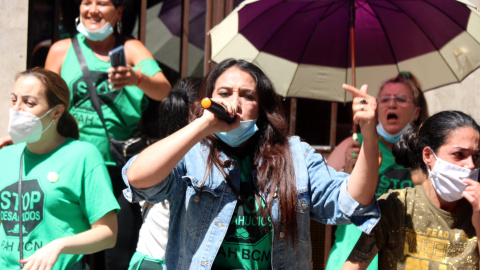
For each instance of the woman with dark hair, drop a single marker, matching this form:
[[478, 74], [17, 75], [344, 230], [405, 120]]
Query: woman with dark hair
[[242, 194], [407, 141], [174, 110], [68, 208], [153, 236], [434, 225], [401, 104]]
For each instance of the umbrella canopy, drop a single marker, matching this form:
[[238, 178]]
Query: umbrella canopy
[[164, 29], [171, 14], [304, 45]]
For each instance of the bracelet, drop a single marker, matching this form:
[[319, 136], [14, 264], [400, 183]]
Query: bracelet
[[139, 78]]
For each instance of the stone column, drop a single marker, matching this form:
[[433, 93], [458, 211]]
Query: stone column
[[13, 51]]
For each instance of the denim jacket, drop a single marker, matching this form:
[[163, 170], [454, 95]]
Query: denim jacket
[[200, 214]]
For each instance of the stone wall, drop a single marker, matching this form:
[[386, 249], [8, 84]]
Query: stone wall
[[13, 51], [463, 96]]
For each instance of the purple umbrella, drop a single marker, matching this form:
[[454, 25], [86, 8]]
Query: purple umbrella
[[170, 19], [305, 45], [171, 16]]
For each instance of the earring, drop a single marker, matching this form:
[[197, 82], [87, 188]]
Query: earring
[[119, 27], [77, 21]]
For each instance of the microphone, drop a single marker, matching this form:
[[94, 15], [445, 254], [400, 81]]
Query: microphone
[[218, 110]]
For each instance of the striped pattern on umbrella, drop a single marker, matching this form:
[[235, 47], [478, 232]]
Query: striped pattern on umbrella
[[303, 45]]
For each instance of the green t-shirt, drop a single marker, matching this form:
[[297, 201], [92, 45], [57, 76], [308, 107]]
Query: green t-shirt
[[121, 109], [390, 176], [247, 244], [143, 261], [63, 193]]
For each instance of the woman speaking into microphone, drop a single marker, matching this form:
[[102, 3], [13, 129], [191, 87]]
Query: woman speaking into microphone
[[242, 193], [217, 109]]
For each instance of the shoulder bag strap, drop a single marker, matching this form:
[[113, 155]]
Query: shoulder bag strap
[[90, 86], [20, 212]]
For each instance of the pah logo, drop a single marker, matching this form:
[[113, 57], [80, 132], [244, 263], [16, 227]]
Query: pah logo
[[31, 203], [105, 94]]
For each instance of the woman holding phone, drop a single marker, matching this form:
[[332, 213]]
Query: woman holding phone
[[121, 92]]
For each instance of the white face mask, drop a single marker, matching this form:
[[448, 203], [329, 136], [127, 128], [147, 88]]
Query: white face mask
[[97, 35], [447, 179], [25, 126]]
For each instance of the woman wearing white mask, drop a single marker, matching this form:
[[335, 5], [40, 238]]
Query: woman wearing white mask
[[242, 194], [122, 94], [68, 208], [401, 104], [434, 225]]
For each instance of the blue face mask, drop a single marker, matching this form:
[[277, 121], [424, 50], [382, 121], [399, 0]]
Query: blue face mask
[[239, 135], [389, 137], [97, 35]]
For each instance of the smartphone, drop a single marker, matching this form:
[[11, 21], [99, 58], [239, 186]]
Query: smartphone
[[117, 57]]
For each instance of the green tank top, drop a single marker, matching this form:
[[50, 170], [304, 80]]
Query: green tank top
[[390, 174], [121, 109]]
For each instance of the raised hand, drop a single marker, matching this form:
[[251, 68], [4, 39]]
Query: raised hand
[[364, 109]]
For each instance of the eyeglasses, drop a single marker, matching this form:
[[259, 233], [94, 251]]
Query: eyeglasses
[[401, 100]]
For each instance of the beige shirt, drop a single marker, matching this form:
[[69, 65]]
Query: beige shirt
[[413, 233]]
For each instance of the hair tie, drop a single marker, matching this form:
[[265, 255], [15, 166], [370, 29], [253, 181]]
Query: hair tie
[[406, 75]]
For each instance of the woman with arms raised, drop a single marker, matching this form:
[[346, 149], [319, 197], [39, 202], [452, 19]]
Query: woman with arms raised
[[401, 104]]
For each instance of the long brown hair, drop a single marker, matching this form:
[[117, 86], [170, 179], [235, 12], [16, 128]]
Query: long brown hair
[[272, 156], [57, 92]]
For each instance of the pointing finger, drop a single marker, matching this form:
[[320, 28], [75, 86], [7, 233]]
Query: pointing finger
[[362, 92], [364, 89]]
